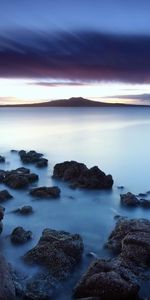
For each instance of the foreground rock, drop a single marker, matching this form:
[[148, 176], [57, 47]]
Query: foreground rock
[[80, 176], [7, 288], [58, 251], [2, 159], [33, 157], [20, 236], [5, 195], [107, 280], [17, 179], [45, 192], [25, 210], [2, 209], [118, 278]]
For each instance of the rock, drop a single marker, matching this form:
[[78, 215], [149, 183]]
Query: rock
[[2, 159], [2, 209], [5, 195], [20, 236], [45, 192], [25, 210], [144, 203], [58, 251], [120, 187], [129, 199], [131, 234], [33, 157], [17, 179], [13, 151], [7, 288], [105, 280], [41, 286], [142, 195], [42, 162], [80, 176]]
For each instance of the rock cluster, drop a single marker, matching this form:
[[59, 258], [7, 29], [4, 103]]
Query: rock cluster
[[18, 178], [117, 278], [7, 288], [130, 199], [33, 157], [45, 192], [80, 176]]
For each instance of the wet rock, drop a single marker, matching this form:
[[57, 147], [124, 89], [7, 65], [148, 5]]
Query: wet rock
[[20, 236], [5, 195], [17, 179], [80, 176], [145, 203], [105, 280], [33, 157], [7, 288], [58, 251], [142, 195], [13, 151], [123, 228], [45, 192], [42, 162], [2, 159], [41, 286], [129, 199], [25, 210]]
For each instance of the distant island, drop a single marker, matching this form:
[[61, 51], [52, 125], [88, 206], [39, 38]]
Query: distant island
[[73, 102]]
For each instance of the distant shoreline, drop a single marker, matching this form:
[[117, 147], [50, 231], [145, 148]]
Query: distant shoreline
[[73, 103]]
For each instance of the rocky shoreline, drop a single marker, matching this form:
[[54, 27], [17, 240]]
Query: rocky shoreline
[[59, 252]]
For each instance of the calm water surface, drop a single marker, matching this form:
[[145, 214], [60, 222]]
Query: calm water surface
[[115, 139]]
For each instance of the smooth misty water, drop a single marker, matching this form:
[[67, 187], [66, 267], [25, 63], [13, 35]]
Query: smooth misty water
[[115, 139]]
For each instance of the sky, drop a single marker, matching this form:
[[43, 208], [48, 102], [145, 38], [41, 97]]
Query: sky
[[57, 49]]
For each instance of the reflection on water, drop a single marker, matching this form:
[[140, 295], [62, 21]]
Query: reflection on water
[[115, 139]]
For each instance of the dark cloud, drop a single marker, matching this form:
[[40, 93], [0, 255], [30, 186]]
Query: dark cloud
[[80, 56], [59, 83]]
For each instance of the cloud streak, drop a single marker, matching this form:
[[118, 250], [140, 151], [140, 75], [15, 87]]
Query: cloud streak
[[77, 56]]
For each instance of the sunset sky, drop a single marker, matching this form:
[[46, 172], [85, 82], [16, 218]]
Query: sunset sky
[[57, 49]]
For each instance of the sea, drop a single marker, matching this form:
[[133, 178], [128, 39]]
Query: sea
[[115, 139]]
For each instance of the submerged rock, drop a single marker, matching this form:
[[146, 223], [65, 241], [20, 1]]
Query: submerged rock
[[129, 199], [80, 176], [20, 236], [7, 288], [25, 210], [45, 192], [17, 179], [2, 159], [5, 195], [58, 251], [145, 203], [33, 157], [106, 280]]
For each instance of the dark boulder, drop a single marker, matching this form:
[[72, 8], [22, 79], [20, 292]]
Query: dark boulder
[[80, 176], [2, 159], [2, 209], [20, 236], [106, 280], [129, 199], [25, 210], [7, 288], [58, 251], [5, 195], [45, 192]]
